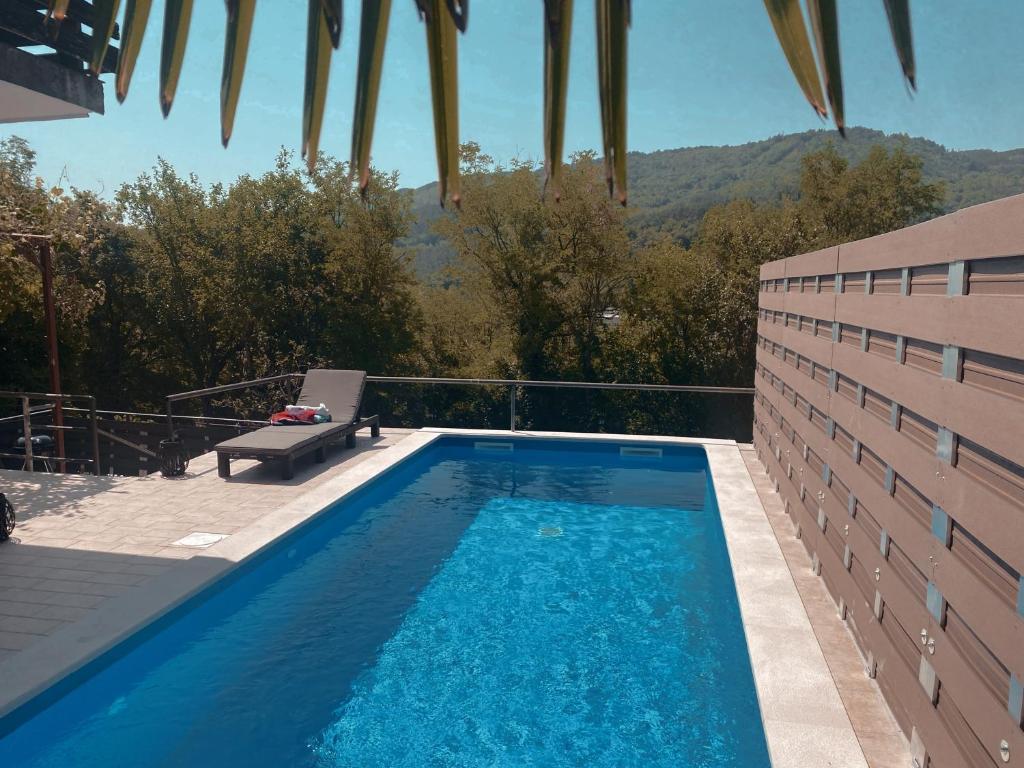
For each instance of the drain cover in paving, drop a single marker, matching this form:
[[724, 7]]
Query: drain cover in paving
[[199, 539]]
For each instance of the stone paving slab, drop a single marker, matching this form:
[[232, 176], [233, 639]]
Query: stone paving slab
[[880, 737], [83, 539]]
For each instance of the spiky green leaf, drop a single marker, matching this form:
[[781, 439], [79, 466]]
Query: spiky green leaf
[[333, 16], [105, 16], [557, 34], [442, 54], [373, 33], [898, 12], [236, 49], [177, 15], [825, 24], [459, 10], [612, 28], [318, 59], [788, 21], [136, 15]]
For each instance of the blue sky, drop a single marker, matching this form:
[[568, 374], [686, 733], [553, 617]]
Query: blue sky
[[700, 73]]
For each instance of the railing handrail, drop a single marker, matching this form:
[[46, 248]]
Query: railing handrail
[[55, 398], [512, 384], [562, 384], [230, 387], [155, 416], [472, 382], [43, 396], [33, 411]]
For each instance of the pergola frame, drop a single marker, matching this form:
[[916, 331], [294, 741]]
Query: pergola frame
[[38, 249]]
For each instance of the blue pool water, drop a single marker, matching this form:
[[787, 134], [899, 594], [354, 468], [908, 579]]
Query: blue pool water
[[557, 605]]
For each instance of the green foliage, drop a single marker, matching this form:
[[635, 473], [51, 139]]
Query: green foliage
[[885, 191], [547, 271], [176, 285]]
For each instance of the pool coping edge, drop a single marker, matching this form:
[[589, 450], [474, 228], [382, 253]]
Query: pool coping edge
[[803, 715]]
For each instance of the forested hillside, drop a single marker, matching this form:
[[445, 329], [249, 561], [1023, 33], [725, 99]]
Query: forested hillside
[[174, 285], [671, 190]]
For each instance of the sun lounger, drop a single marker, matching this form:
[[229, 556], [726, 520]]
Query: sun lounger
[[340, 391]]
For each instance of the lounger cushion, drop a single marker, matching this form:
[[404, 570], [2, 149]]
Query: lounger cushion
[[340, 391], [274, 441]]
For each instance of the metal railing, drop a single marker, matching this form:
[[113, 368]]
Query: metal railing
[[27, 411], [514, 386]]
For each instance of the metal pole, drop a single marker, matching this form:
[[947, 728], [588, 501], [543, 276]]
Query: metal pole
[[95, 437], [50, 310], [170, 419], [512, 407], [26, 425]]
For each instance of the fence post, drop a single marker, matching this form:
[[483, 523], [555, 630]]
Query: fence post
[[94, 428], [26, 426], [512, 407]]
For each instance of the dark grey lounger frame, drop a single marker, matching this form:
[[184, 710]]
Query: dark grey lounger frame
[[315, 441], [287, 456]]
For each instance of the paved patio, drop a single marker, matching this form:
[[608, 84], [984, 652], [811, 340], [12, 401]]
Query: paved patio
[[83, 539]]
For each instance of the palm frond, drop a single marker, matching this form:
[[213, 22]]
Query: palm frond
[[318, 59], [443, 20], [177, 15], [459, 9], [825, 24], [612, 26], [105, 16], [788, 21], [373, 32], [442, 54], [557, 34], [236, 49], [136, 15], [333, 15], [898, 12]]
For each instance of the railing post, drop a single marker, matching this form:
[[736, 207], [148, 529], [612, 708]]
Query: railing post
[[95, 437], [26, 426], [512, 407], [170, 419]]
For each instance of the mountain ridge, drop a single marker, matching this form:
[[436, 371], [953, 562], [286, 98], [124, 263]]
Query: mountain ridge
[[671, 189]]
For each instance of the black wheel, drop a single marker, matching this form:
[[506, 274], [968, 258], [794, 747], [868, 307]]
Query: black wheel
[[6, 518]]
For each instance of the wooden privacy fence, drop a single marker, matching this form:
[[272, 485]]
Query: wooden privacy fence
[[889, 411]]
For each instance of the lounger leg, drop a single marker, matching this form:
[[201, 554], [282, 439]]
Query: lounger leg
[[320, 455], [350, 440], [375, 429], [223, 465], [288, 467]]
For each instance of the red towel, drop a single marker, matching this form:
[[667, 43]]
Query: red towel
[[305, 416]]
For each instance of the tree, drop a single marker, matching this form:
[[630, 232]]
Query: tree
[[880, 194], [548, 271], [73, 222], [371, 308]]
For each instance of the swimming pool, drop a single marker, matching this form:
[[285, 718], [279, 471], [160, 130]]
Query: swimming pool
[[509, 602]]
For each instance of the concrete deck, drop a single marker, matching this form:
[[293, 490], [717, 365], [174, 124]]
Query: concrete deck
[[83, 539], [96, 559]]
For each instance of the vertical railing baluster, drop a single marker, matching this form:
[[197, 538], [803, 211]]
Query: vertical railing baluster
[[512, 407], [26, 426], [95, 437]]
